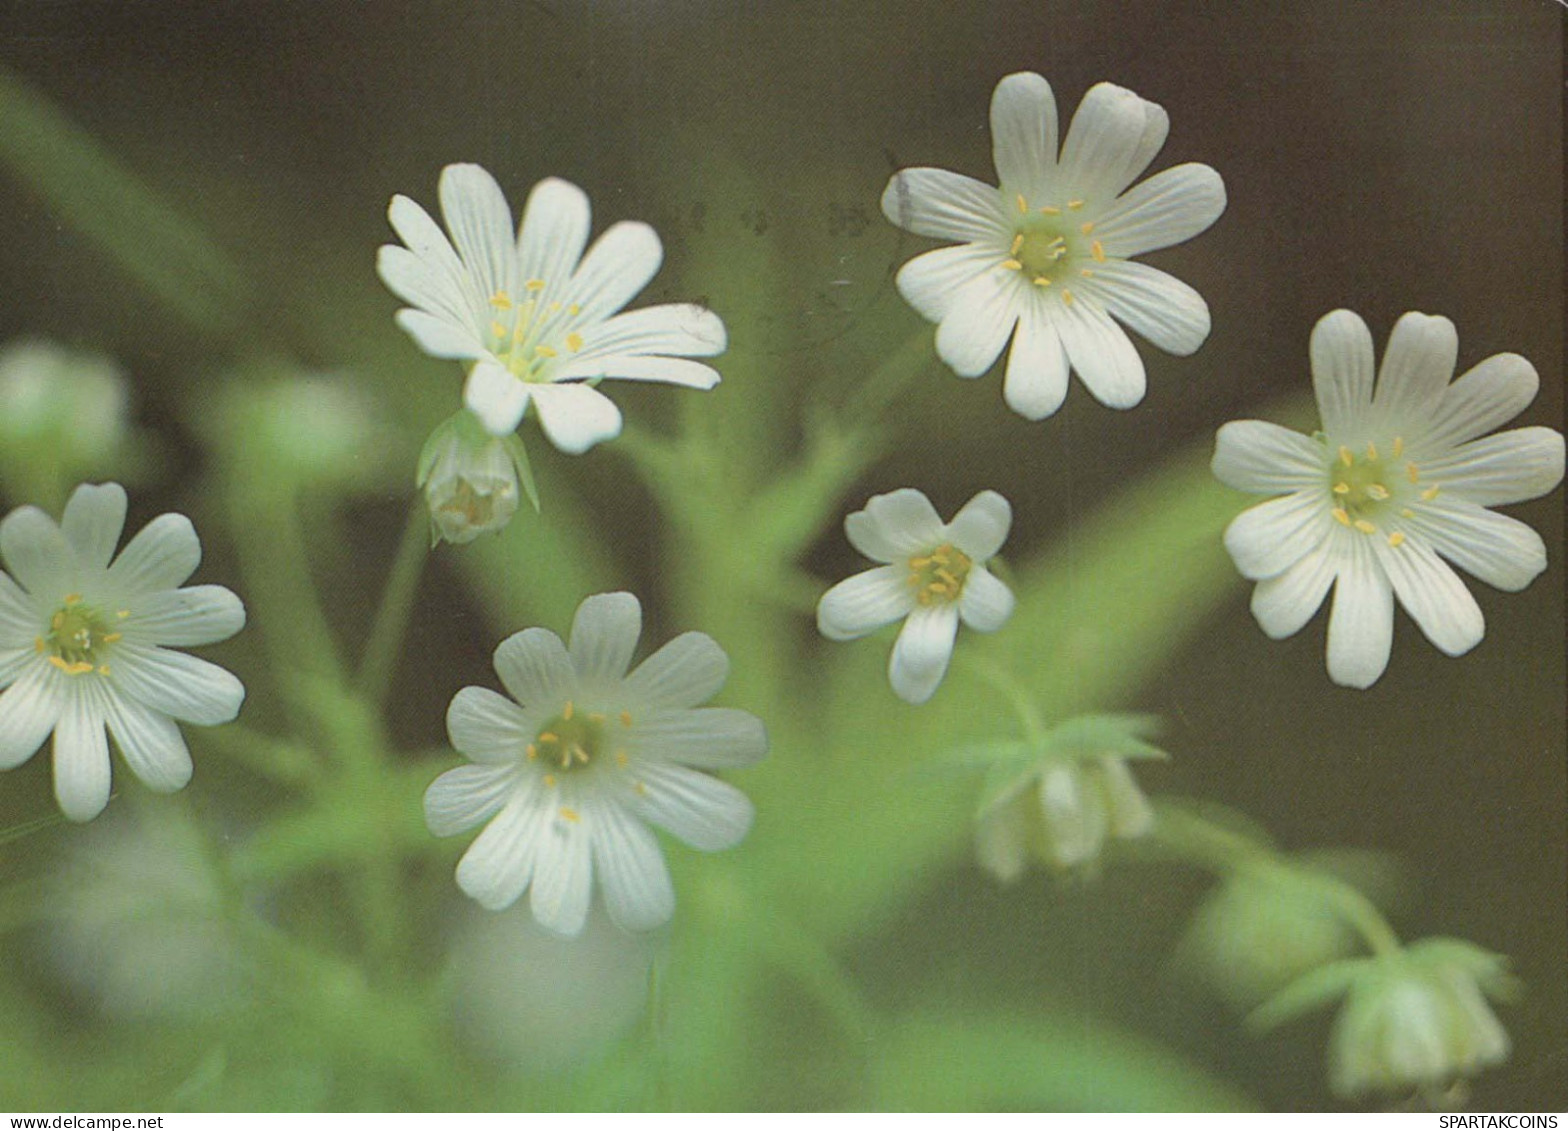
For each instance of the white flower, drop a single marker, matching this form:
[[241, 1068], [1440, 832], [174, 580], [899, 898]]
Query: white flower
[[1397, 481], [1050, 249], [84, 643], [567, 775], [934, 576], [535, 316]]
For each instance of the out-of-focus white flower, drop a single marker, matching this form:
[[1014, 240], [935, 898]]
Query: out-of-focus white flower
[[471, 479], [536, 316], [64, 416], [86, 642], [1398, 480], [567, 775], [1046, 257], [935, 575]]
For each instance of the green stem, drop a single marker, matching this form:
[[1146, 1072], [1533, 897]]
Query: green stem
[[1002, 681], [397, 603], [888, 380]]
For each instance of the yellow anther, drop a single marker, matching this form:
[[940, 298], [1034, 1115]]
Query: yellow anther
[[568, 710], [123, 613], [1413, 473], [1086, 227], [1377, 491], [56, 621], [534, 285], [1097, 249], [922, 561], [1075, 204], [501, 300], [544, 351], [110, 638], [1041, 281], [1407, 512], [1431, 492], [553, 307], [626, 718], [574, 310], [1018, 242], [574, 341], [1067, 297], [532, 751], [1341, 516], [1012, 265], [569, 815], [497, 330], [1365, 527], [1396, 539], [549, 736], [103, 669], [1050, 210], [80, 667], [1345, 456], [579, 753], [621, 759], [641, 788], [1399, 446], [1342, 488], [549, 780], [1023, 205], [1086, 273], [1371, 450], [73, 599], [595, 717], [946, 576]]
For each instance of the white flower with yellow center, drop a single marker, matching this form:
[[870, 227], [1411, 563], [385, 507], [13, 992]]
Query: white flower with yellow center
[[534, 314], [87, 642], [1046, 257], [567, 775], [1398, 480], [934, 576]]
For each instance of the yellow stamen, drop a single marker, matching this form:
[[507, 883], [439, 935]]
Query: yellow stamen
[[73, 599], [1018, 242], [534, 285], [1340, 516], [595, 717], [642, 789], [1098, 251], [1050, 210], [1431, 492], [39, 646], [497, 329], [532, 751], [1345, 457], [1023, 205], [1371, 450], [1041, 281], [501, 300], [81, 667], [1012, 265], [1067, 297], [553, 307], [621, 759], [549, 780], [1377, 491], [545, 351], [579, 753], [1087, 227], [574, 310], [1075, 204], [1342, 488], [1365, 527], [569, 814], [1413, 472], [123, 613], [1396, 539], [1399, 446], [549, 736], [568, 710], [626, 718], [111, 637], [1086, 273], [574, 341], [56, 621], [1407, 512], [103, 670]]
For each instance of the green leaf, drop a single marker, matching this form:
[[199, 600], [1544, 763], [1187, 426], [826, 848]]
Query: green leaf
[[89, 190], [1308, 992]]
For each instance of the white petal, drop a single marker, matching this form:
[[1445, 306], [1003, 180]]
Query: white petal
[[487, 727], [981, 526], [163, 555], [81, 757], [686, 672], [1361, 624], [497, 867], [1497, 549], [428, 242], [20, 621], [150, 743], [618, 266], [604, 635], [986, 603], [1510, 467], [1342, 362], [1113, 137], [1418, 363], [675, 329], [976, 327], [1256, 456], [1103, 355], [554, 232], [1075, 819], [37, 554], [93, 521], [637, 889], [932, 282], [176, 684], [1432, 594], [1023, 134], [1161, 307], [865, 602], [182, 618], [1284, 603], [575, 417], [944, 205], [1037, 367], [13, 662], [439, 337], [29, 709], [431, 289], [1486, 397], [668, 370], [921, 653], [894, 525], [1002, 839], [535, 667], [496, 397], [1271, 537], [712, 738], [706, 813], [476, 213], [1129, 810], [462, 798], [1164, 210], [563, 874]]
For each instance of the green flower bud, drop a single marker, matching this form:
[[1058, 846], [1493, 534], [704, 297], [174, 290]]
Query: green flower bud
[[471, 479], [60, 411]]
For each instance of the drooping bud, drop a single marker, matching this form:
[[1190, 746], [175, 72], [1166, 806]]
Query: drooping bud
[[471, 479]]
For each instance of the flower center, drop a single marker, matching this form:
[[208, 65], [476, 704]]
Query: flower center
[[1049, 247], [1371, 488], [78, 637], [525, 335], [938, 577]]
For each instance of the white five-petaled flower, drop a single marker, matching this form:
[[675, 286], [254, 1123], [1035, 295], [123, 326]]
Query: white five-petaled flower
[[1049, 250], [934, 576], [567, 775], [535, 315], [86, 641], [1397, 480]]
